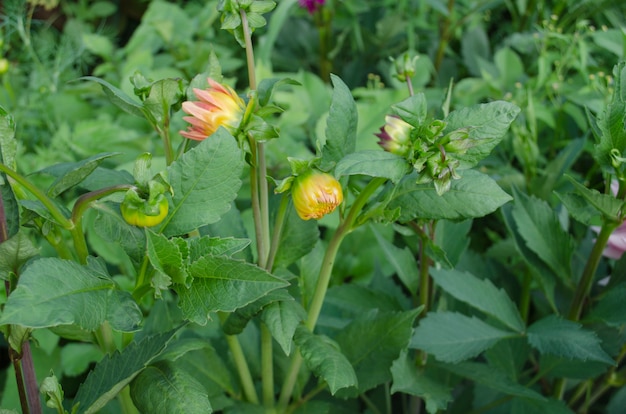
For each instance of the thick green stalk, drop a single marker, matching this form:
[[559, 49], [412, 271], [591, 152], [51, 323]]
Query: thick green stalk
[[323, 281], [264, 201], [277, 231], [81, 205], [260, 208], [424, 273], [247, 35], [239, 358], [40, 195], [126, 402], [267, 366], [584, 285]]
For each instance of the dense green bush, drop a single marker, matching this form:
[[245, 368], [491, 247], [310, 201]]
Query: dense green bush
[[470, 263]]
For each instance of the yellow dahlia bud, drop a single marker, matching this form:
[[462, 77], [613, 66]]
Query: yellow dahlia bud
[[395, 136], [315, 194], [218, 106]]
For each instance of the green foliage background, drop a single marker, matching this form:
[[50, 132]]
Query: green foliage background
[[541, 85]]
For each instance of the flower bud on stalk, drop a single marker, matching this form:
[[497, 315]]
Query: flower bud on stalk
[[141, 212], [315, 194], [219, 105], [395, 136]]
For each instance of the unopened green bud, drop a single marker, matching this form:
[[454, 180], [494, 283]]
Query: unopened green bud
[[405, 66]]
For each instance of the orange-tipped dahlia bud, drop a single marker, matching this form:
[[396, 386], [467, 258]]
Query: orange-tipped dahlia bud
[[315, 194], [395, 136], [218, 106]]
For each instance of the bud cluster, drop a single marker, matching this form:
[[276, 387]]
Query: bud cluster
[[431, 152]]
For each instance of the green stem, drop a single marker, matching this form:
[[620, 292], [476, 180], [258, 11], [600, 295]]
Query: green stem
[[239, 358], [263, 203], [40, 195], [424, 273], [21, 390], [277, 232], [164, 132], [584, 285], [247, 35], [139, 290], [267, 366], [104, 338], [126, 402], [81, 205], [256, 205], [80, 244], [323, 280]]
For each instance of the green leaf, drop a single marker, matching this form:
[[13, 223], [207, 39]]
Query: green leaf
[[297, 239], [323, 356], [542, 232], [453, 337], [402, 260], [611, 122], [474, 195], [541, 272], [492, 378], [215, 246], [282, 318], [411, 380], [62, 292], [266, 88], [579, 208], [373, 163], [166, 256], [610, 308], [373, 341], [11, 207], [164, 94], [487, 123], [223, 284], [340, 126], [204, 180], [76, 357], [164, 388], [412, 110], [606, 204], [528, 406], [452, 237], [14, 252], [8, 152], [73, 173], [558, 167], [116, 371], [111, 227], [355, 299], [118, 97], [237, 320], [481, 294], [8, 143], [552, 335]]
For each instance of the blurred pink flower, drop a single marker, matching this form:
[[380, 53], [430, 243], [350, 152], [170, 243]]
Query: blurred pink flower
[[616, 245], [311, 5]]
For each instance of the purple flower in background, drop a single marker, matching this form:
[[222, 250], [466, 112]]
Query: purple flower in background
[[311, 5], [616, 245]]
